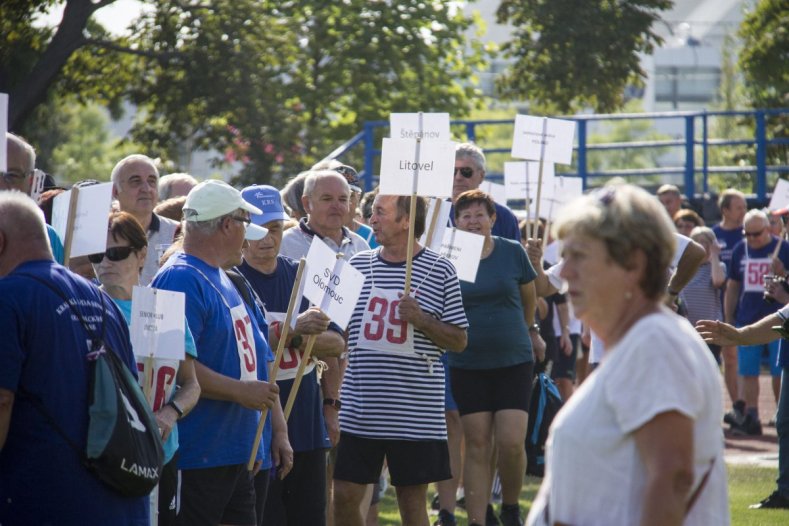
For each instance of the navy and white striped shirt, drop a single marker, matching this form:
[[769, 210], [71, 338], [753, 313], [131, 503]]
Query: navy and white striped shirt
[[395, 395]]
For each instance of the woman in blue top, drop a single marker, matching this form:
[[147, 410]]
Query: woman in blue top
[[491, 379], [118, 269]]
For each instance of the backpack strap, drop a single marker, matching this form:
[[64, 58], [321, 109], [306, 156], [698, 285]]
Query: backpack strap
[[249, 296]]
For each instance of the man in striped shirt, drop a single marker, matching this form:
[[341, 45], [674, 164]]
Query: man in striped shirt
[[393, 389]]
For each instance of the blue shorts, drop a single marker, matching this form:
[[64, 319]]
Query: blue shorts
[[749, 359], [449, 400]]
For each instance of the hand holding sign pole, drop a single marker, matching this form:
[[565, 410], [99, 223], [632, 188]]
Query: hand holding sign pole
[[295, 300]]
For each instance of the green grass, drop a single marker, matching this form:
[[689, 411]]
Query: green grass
[[747, 485]]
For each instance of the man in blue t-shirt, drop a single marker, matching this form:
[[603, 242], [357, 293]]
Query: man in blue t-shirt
[[728, 232], [299, 498], [216, 438], [758, 255], [469, 174], [42, 478]]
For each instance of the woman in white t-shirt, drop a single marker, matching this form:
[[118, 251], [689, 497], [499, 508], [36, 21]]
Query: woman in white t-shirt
[[640, 442]]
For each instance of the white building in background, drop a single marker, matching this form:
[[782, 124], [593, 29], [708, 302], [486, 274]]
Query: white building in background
[[683, 74]]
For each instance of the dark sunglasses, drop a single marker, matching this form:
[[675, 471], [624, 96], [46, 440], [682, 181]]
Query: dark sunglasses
[[113, 254], [465, 171], [753, 234]]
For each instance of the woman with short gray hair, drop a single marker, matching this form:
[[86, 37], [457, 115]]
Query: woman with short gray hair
[[640, 442]]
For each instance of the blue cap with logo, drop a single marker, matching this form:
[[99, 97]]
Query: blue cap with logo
[[267, 199]]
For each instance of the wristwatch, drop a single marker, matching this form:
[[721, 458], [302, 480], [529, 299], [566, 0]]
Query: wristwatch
[[295, 342], [177, 408], [534, 327], [336, 404]]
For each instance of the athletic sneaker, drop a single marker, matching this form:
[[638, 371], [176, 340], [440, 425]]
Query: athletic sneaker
[[774, 501], [749, 427], [445, 519], [736, 415], [490, 517], [511, 515], [434, 505]]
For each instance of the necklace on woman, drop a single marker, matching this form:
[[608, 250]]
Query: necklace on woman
[[487, 248]]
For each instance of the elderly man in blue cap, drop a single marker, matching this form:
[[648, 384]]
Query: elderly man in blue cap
[[300, 497]]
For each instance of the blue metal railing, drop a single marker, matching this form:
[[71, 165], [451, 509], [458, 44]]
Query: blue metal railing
[[370, 136]]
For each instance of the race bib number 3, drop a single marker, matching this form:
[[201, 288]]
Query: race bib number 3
[[755, 270], [245, 342], [381, 328]]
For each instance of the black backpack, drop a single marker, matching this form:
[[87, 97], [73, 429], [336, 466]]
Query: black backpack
[[123, 447], [545, 403]]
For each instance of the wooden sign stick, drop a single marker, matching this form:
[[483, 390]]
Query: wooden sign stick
[[72, 214], [295, 299], [431, 229], [299, 374], [409, 255]]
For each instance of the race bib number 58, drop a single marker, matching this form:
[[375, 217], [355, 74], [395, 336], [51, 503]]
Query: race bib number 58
[[755, 270]]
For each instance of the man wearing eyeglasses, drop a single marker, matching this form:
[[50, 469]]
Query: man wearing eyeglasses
[[469, 174], [135, 181], [231, 364], [758, 255], [21, 164]]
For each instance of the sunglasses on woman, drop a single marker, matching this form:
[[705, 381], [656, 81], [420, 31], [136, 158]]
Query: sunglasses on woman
[[113, 254]]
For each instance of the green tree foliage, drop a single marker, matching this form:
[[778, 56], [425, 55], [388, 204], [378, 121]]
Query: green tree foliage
[[569, 54], [281, 83], [764, 61]]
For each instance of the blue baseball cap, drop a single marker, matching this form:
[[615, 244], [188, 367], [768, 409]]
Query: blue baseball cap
[[267, 199]]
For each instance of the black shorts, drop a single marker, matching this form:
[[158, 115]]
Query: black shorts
[[564, 365], [411, 462], [491, 390], [301, 497], [169, 492], [221, 495]]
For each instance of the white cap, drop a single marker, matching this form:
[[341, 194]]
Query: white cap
[[211, 199]]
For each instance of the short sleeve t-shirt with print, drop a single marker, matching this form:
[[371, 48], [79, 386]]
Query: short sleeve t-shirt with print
[[230, 341], [727, 239], [748, 267], [497, 334], [306, 427], [394, 383], [42, 479], [594, 473]]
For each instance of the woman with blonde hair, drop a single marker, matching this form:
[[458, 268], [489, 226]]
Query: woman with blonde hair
[[640, 441]]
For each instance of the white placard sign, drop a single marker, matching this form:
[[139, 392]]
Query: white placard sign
[[157, 323], [425, 126], [433, 160], [441, 223], [780, 198], [495, 191], [331, 283], [540, 137], [463, 249], [521, 179], [564, 190], [3, 131], [90, 221]]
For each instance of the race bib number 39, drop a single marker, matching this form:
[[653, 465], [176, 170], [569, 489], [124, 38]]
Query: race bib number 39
[[755, 270], [381, 328], [245, 342]]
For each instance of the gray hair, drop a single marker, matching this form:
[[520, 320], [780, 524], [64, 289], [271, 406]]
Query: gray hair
[[471, 151], [20, 214], [207, 227], [291, 194], [703, 232], [135, 157], [24, 145], [626, 219], [166, 183], [755, 213], [313, 178]]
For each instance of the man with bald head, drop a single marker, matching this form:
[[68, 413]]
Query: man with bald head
[[752, 259], [135, 181], [43, 369], [21, 161]]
